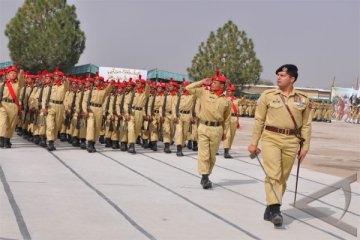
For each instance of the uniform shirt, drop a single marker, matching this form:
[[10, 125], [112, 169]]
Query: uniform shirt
[[213, 108], [17, 86], [140, 98], [170, 101], [271, 111], [57, 93], [186, 103], [97, 96]]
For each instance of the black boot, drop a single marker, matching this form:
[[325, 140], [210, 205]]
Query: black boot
[[195, 146], [267, 214], [108, 142], [122, 147], [205, 182], [51, 146], [145, 143], [167, 148], [2, 140], [115, 145], [138, 141], [63, 137], [102, 139], [43, 142], [154, 146], [70, 139], [150, 144], [179, 152], [7, 143], [226, 153], [31, 137], [19, 131], [37, 139], [91, 147], [132, 148], [189, 144], [83, 143], [75, 142], [275, 215]]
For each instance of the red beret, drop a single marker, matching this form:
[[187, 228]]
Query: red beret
[[58, 72], [219, 77], [231, 87], [12, 69]]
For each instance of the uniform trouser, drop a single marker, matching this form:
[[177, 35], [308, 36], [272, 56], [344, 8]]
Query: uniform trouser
[[115, 135], [230, 133], [134, 125], [63, 126], [94, 124], [8, 119], [40, 125], [54, 120], [182, 128], [168, 128], [193, 135], [208, 143], [108, 133], [279, 153], [328, 115], [154, 128], [123, 134], [145, 133]]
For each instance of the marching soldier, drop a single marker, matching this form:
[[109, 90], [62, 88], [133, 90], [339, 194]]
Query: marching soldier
[[182, 112], [234, 122], [92, 105], [166, 117], [214, 120], [135, 114], [282, 121], [53, 106], [9, 104]]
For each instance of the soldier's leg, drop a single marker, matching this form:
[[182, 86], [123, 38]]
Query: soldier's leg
[[204, 150], [167, 134], [50, 126], [288, 156], [215, 134]]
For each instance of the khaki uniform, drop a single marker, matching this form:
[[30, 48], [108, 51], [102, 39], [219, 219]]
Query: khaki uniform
[[230, 134], [137, 114], [8, 108], [280, 150], [168, 124], [79, 125], [97, 99], [154, 124], [55, 109], [214, 110], [185, 112]]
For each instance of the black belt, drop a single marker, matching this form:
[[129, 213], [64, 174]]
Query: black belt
[[8, 100], [211, 124], [57, 102], [234, 115], [138, 108], [185, 112], [95, 105], [282, 131]]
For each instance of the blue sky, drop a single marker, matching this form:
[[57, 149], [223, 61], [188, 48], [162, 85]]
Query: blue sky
[[321, 37]]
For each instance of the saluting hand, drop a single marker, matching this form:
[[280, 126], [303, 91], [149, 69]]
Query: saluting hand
[[206, 81]]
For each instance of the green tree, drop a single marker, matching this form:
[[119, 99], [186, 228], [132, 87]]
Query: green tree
[[45, 34], [230, 51]]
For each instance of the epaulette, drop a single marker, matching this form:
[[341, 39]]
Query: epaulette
[[270, 91], [302, 94]]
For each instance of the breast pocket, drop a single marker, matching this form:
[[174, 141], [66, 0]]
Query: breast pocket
[[276, 105]]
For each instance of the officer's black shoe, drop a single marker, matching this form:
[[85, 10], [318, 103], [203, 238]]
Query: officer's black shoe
[[267, 214], [7, 143], [275, 215], [75, 142], [37, 139], [179, 152], [154, 146], [132, 148], [108, 142], [195, 146], [115, 145], [145, 143], [51, 146], [123, 147], [43, 142], [189, 144], [138, 141], [205, 181], [102, 139], [226, 153], [2, 142], [63, 137], [83, 143], [167, 148]]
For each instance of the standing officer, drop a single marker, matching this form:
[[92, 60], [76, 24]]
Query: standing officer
[[282, 121], [9, 104], [214, 120]]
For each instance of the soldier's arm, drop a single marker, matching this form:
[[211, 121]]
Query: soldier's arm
[[306, 127], [108, 88], [227, 117], [195, 88], [147, 89], [260, 116], [21, 78]]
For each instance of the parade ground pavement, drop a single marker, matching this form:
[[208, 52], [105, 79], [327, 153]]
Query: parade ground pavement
[[70, 194]]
